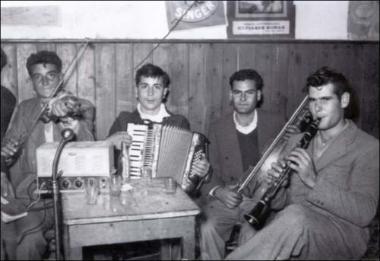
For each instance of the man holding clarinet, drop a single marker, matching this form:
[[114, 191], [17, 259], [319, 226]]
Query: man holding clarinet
[[330, 197]]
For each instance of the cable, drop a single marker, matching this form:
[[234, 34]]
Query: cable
[[167, 34], [35, 228]]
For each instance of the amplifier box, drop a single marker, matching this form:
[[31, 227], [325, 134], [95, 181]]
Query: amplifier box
[[72, 184], [83, 158], [79, 162]]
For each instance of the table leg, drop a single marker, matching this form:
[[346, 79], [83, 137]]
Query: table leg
[[74, 253], [188, 242]]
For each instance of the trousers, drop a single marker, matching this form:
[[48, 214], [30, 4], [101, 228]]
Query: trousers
[[299, 232], [217, 223]]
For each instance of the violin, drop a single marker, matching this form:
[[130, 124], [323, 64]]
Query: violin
[[74, 106]]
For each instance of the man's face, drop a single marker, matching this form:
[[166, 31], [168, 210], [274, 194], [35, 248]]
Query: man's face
[[325, 104], [150, 92], [244, 96], [45, 78]]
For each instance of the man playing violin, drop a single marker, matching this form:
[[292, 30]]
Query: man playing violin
[[18, 150], [328, 202]]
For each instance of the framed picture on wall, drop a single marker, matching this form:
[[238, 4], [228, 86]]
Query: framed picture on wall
[[261, 19]]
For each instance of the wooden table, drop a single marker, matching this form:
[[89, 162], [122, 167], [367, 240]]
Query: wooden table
[[143, 213]]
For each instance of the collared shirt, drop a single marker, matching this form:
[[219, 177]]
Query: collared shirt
[[48, 131], [246, 129], [163, 113]]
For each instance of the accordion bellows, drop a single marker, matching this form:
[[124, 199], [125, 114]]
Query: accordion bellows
[[169, 151]]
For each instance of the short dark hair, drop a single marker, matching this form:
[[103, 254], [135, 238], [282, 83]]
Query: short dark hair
[[43, 57], [153, 71], [326, 75], [247, 74], [4, 58]]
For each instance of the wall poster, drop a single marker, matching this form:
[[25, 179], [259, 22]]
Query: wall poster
[[261, 19]]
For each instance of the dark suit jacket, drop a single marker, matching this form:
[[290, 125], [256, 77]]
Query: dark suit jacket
[[8, 103], [225, 156]]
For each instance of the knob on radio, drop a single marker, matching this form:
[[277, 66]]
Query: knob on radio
[[78, 183]]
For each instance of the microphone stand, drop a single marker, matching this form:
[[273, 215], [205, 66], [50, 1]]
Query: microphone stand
[[67, 135]]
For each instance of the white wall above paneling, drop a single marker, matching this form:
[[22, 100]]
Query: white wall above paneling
[[147, 20]]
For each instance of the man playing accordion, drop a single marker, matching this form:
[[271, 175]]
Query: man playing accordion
[[152, 88]]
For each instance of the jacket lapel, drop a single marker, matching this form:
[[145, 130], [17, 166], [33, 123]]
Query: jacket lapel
[[338, 147], [230, 149]]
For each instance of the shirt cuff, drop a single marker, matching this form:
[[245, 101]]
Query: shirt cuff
[[212, 191]]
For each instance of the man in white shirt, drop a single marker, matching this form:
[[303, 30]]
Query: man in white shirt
[[152, 88], [237, 141]]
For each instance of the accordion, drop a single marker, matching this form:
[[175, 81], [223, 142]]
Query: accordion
[[168, 151]]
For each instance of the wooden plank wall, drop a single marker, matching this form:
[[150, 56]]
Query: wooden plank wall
[[200, 72]]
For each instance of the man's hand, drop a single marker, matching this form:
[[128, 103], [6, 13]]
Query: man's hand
[[200, 166], [301, 162], [10, 149], [290, 131], [59, 107], [274, 173], [9, 218], [228, 196], [118, 137], [6, 187]]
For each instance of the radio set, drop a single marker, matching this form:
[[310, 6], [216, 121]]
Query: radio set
[[81, 162]]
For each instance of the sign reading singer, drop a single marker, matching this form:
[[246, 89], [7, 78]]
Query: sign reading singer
[[195, 13]]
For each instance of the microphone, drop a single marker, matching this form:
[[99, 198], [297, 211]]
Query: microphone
[[67, 135]]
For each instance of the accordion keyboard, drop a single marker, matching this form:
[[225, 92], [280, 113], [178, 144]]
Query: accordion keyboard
[[136, 150]]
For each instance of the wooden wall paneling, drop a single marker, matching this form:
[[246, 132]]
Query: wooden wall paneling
[[9, 73], [125, 96], [214, 79], [369, 98], [301, 63], [198, 92], [161, 57], [67, 52], [105, 63], [46, 47], [246, 56], [230, 65], [266, 64], [176, 58], [140, 52], [166, 59], [355, 80], [86, 76], [24, 82], [345, 62], [280, 78]]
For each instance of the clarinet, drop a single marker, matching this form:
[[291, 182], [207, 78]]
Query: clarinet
[[257, 216]]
